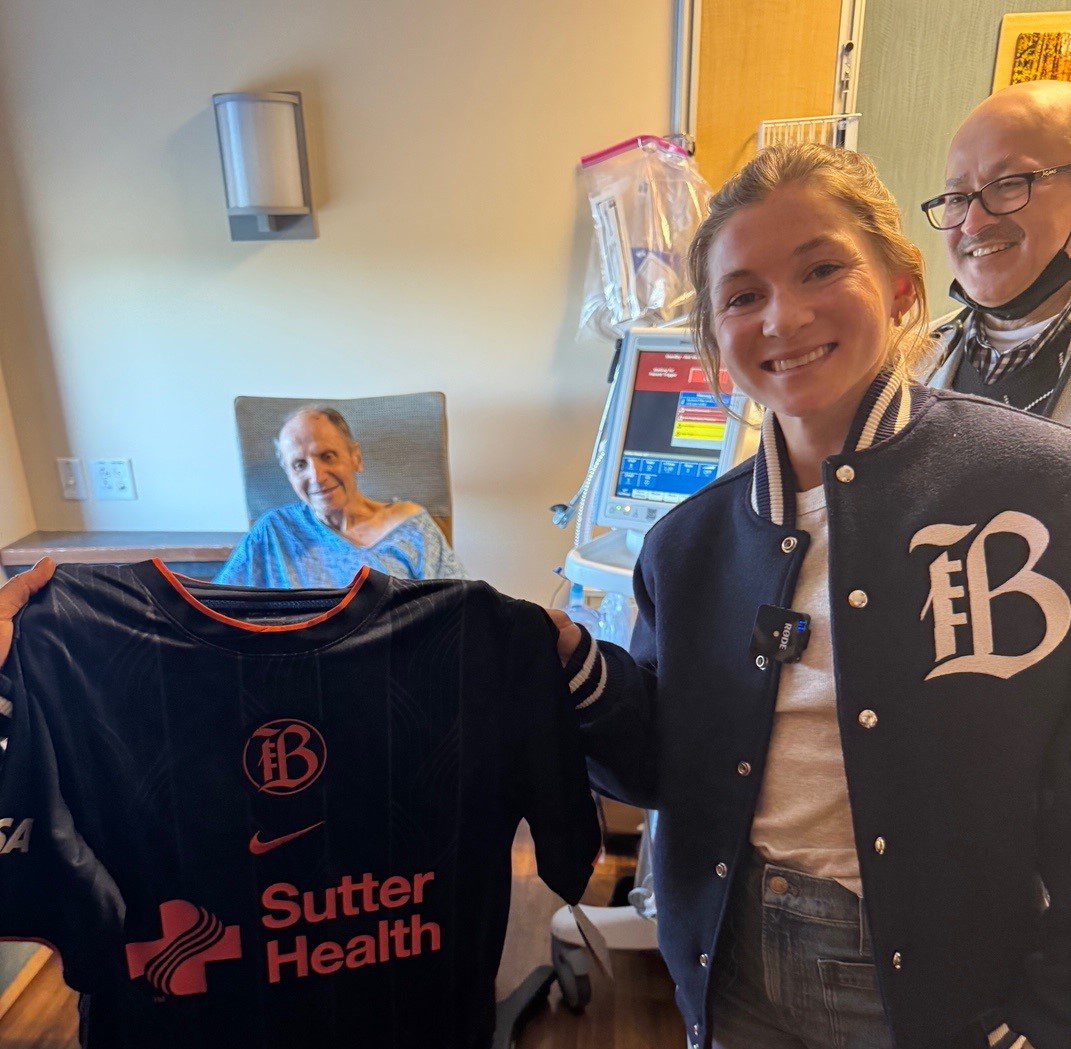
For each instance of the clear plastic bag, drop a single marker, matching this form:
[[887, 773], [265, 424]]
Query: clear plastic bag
[[647, 199]]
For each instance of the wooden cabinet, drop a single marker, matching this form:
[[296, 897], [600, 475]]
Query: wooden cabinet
[[19, 964]]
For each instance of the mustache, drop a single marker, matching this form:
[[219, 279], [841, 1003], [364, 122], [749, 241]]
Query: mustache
[[998, 235]]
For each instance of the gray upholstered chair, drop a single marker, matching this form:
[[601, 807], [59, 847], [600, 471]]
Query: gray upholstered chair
[[402, 439]]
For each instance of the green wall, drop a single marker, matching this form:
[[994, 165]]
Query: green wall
[[923, 67]]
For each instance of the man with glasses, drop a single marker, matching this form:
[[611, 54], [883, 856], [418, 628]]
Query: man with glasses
[[1005, 217]]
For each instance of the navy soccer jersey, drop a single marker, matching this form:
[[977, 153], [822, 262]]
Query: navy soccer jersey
[[282, 819]]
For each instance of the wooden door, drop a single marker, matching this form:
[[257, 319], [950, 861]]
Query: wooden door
[[760, 60]]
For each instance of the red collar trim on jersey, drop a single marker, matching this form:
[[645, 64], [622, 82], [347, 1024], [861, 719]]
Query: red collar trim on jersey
[[258, 628]]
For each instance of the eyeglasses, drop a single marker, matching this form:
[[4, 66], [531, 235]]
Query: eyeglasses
[[1002, 196]]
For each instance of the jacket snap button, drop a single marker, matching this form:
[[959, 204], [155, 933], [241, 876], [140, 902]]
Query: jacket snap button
[[845, 474], [704, 960], [858, 599], [879, 846], [760, 662], [789, 543], [868, 719], [778, 885], [721, 870], [897, 961], [743, 769]]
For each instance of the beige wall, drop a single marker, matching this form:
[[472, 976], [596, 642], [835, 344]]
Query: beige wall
[[16, 512], [443, 143], [16, 516]]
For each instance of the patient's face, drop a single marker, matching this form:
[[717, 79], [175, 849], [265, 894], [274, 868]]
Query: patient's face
[[320, 464]]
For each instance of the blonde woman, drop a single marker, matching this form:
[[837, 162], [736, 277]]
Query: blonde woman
[[848, 689]]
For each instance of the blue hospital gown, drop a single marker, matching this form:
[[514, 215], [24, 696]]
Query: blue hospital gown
[[289, 548]]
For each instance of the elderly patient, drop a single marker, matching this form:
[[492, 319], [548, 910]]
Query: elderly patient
[[335, 530]]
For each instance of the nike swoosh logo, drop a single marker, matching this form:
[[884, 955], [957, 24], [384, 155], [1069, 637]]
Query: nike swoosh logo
[[258, 847]]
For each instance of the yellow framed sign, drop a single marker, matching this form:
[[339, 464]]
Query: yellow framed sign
[[1033, 47]]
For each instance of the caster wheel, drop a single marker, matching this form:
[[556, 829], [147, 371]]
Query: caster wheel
[[572, 968], [579, 996]]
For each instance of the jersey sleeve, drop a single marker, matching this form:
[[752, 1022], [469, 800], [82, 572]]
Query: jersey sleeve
[[52, 888], [615, 694], [547, 760]]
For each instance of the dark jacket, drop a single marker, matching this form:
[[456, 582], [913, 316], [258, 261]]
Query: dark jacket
[[949, 337], [952, 689]]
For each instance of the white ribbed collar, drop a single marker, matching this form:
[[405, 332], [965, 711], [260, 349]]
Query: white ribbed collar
[[886, 408]]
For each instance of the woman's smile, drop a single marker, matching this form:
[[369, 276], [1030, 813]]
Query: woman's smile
[[792, 362]]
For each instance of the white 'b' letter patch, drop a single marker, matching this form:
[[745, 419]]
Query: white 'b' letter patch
[[945, 588]]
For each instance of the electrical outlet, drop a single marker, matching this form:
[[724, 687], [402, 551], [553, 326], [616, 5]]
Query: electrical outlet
[[112, 479], [72, 477]]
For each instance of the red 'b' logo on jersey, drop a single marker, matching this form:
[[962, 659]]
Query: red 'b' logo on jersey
[[284, 756]]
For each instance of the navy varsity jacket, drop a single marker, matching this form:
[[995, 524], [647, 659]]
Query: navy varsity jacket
[[949, 576]]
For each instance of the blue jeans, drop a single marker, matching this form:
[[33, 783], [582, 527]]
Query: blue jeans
[[795, 969]]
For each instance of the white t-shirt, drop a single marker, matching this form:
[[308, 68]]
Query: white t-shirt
[[803, 820], [1006, 340]]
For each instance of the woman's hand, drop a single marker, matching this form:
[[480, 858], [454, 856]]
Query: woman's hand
[[15, 593], [568, 633]]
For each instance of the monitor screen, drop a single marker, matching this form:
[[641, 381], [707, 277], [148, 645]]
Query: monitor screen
[[675, 433], [667, 434]]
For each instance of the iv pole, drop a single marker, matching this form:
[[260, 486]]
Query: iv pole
[[684, 93], [685, 87]]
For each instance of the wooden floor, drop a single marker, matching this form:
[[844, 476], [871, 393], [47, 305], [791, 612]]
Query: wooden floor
[[44, 1015], [635, 1011]]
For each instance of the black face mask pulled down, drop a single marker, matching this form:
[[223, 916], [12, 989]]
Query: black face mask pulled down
[[1047, 283]]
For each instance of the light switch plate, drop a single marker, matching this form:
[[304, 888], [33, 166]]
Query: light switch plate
[[72, 478], [112, 479]]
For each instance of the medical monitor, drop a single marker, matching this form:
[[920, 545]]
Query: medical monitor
[[668, 434]]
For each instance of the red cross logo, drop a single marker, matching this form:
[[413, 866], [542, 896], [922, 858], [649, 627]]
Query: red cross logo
[[175, 963]]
